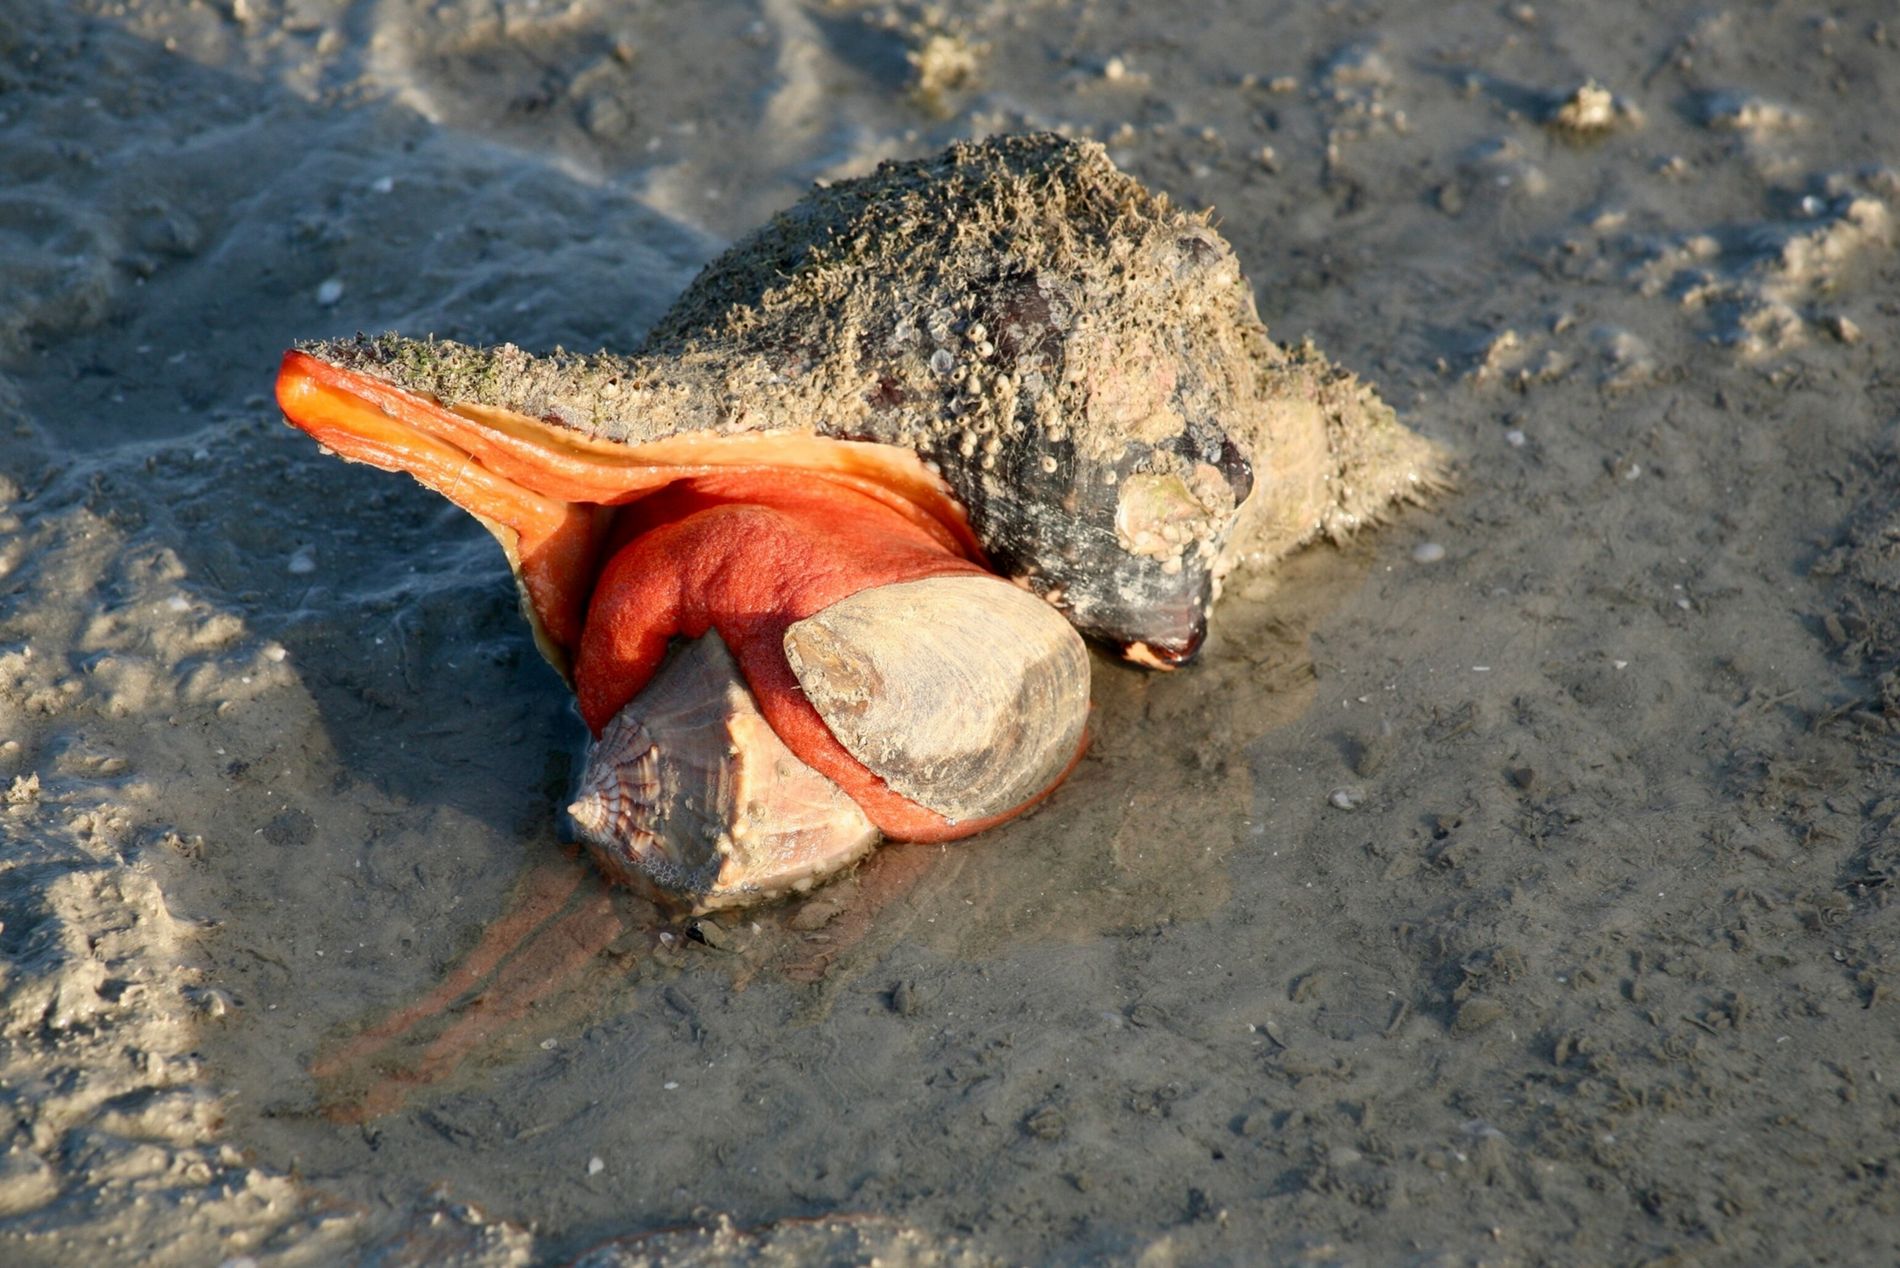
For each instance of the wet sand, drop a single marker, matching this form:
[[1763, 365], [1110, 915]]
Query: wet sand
[[1507, 885]]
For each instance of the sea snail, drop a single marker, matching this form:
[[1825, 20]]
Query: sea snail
[[816, 558]]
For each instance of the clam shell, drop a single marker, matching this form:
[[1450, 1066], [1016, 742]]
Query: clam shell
[[689, 794], [964, 694], [1080, 360]]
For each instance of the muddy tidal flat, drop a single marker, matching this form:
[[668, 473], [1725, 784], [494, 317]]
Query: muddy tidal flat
[[1511, 883]]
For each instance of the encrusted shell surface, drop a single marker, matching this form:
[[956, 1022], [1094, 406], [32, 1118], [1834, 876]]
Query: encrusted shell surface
[[1079, 359]]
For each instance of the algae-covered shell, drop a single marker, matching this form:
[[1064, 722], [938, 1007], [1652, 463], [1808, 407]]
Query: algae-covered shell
[[1077, 359]]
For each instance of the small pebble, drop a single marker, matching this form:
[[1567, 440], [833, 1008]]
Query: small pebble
[[1514, 438], [1346, 798], [1842, 328], [304, 561], [383, 184], [330, 292], [1428, 552], [595, 1166], [1590, 110]]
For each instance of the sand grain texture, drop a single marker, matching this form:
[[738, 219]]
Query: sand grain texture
[[1512, 884]]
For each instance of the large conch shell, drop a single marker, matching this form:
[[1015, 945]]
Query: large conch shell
[[859, 444]]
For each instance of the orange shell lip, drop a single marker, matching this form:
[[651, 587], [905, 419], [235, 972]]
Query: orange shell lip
[[392, 427], [368, 419], [541, 488]]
